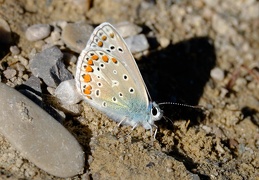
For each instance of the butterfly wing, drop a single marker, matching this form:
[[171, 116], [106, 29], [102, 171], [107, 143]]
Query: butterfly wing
[[109, 79], [107, 38]]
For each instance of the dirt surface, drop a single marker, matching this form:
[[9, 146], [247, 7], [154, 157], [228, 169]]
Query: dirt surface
[[188, 39]]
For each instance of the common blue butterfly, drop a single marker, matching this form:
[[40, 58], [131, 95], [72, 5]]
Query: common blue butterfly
[[109, 79]]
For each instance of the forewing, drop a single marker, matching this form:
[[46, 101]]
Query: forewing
[[109, 40]]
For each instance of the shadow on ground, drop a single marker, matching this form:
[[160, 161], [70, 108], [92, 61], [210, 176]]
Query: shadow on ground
[[179, 74]]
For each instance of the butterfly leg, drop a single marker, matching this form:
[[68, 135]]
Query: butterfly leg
[[122, 121], [155, 131]]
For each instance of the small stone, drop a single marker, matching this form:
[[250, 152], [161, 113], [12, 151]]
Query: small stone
[[20, 67], [164, 42], [38, 136], [23, 61], [9, 73], [37, 32], [76, 35], [69, 58], [62, 24], [217, 74], [137, 43], [127, 29], [67, 93], [34, 84], [15, 50], [55, 36], [39, 44], [48, 65]]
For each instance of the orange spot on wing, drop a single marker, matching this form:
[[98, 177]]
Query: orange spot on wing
[[87, 78], [105, 58], [90, 62], [95, 57], [89, 69], [100, 44], [112, 35], [114, 60], [89, 87], [104, 38], [87, 91]]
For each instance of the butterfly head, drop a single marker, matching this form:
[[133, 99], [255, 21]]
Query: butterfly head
[[156, 112]]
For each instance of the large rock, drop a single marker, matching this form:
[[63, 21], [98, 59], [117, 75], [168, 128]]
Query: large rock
[[39, 137]]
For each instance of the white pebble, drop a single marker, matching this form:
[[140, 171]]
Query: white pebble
[[67, 92], [217, 74], [15, 50], [37, 32]]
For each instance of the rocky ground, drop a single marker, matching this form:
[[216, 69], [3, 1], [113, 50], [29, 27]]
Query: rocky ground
[[201, 52]]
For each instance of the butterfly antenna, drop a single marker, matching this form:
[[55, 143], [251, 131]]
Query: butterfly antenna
[[185, 105]]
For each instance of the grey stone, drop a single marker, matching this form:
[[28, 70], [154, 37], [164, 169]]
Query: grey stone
[[39, 137], [37, 32], [34, 83], [137, 43], [48, 66], [76, 35], [127, 29]]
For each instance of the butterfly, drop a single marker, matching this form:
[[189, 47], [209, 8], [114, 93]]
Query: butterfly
[[109, 79]]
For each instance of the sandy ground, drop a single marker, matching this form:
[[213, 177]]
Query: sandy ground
[[188, 39]]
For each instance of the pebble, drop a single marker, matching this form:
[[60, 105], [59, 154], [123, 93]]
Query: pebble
[[137, 43], [9, 73], [127, 29], [23, 61], [164, 42], [15, 50], [67, 93], [39, 44], [217, 74], [39, 137], [76, 35], [37, 32], [48, 65]]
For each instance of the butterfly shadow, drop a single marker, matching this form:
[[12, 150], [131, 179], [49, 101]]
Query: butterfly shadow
[[178, 74]]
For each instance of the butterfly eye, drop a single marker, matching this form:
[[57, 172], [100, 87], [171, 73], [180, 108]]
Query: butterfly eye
[[154, 111]]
